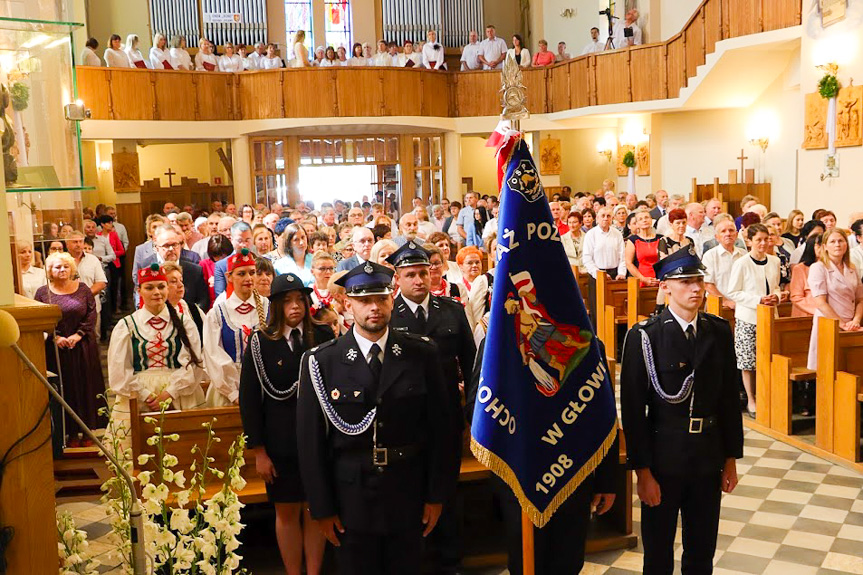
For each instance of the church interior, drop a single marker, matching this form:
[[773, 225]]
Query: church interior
[[715, 99]]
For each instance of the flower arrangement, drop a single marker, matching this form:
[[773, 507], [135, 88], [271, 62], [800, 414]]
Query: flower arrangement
[[20, 96], [828, 85], [185, 534], [73, 547], [629, 159]]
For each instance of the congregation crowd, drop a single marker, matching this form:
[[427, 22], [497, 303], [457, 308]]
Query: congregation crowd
[[488, 54]]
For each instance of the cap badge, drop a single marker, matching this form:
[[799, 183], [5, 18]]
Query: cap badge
[[351, 355], [290, 277], [397, 350], [412, 246], [357, 393], [335, 394], [368, 268]]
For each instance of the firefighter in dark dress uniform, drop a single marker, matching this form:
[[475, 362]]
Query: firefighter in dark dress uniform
[[681, 417], [443, 320], [268, 406], [376, 425]]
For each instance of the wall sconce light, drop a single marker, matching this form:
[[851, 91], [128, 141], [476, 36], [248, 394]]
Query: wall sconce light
[[76, 111], [105, 166], [761, 143], [605, 147], [567, 13], [606, 153], [763, 126]]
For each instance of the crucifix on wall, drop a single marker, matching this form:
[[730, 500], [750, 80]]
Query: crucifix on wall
[[170, 173], [741, 157]]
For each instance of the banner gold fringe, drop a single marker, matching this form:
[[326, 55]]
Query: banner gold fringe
[[539, 518]]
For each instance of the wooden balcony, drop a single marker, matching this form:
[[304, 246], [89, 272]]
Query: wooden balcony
[[638, 74]]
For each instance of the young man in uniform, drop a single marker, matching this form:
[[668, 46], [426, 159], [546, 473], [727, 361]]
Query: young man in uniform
[[681, 417], [376, 423], [443, 320]]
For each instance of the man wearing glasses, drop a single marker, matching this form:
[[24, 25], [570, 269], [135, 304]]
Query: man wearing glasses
[[168, 245], [363, 240], [241, 237]]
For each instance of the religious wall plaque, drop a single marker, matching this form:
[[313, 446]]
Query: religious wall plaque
[[642, 159], [849, 108], [621, 151], [815, 122], [126, 171], [550, 163], [832, 11]]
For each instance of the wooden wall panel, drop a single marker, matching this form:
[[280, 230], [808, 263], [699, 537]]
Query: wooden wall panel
[[648, 73], [674, 66], [402, 91], [612, 77], [694, 45], [743, 17], [712, 24], [174, 99], [436, 89], [478, 94], [537, 90], [215, 96], [776, 14], [559, 96], [366, 101], [132, 94], [94, 90], [579, 82], [260, 95], [310, 93]]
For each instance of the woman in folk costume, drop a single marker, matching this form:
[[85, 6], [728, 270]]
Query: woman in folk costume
[[227, 329], [268, 406], [154, 352]]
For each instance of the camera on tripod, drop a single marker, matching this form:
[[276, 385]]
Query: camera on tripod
[[606, 12]]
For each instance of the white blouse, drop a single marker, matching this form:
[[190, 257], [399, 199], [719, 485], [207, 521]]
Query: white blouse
[[273, 63], [749, 282], [224, 372], [180, 59], [158, 58], [210, 59], [122, 378], [431, 55], [89, 57], [117, 59], [357, 61], [414, 57], [230, 63], [31, 280], [135, 56], [301, 56], [328, 63], [525, 56]]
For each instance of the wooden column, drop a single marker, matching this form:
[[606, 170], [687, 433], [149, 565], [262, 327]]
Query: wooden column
[[292, 168], [27, 495], [406, 171]]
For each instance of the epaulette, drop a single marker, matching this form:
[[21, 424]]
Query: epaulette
[[646, 322], [449, 300], [714, 317], [324, 345], [423, 338]]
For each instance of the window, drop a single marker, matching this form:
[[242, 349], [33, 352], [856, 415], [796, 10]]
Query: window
[[338, 23], [298, 16]]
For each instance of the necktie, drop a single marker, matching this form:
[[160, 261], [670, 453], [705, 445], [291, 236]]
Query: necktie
[[374, 361], [296, 344], [421, 317], [690, 336]]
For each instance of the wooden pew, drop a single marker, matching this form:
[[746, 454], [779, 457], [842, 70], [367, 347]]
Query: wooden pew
[[640, 301], [782, 349], [838, 390], [611, 309], [713, 304], [581, 280]]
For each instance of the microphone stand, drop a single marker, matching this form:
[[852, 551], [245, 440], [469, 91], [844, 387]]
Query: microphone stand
[[136, 518]]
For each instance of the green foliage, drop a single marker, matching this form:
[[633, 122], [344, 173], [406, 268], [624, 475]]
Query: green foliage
[[20, 96], [629, 159], [829, 86]]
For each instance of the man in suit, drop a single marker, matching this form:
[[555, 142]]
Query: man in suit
[[376, 457], [241, 237], [443, 320], [363, 240], [168, 244], [144, 252], [661, 208], [683, 425]]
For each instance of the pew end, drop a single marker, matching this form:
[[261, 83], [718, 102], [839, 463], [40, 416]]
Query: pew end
[[846, 434]]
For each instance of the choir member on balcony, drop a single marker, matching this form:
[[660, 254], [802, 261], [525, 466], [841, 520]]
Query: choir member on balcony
[[492, 50], [433, 55], [470, 54], [134, 54], [330, 59], [88, 54], [543, 57], [594, 46], [357, 58], [160, 58], [205, 60], [115, 57], [382, 57], [270, 61], [180, 58], [621, 38], [518, 52], [319, 56], [230, 62], [301, 54], [409, 58], [562, 54], [342, 56], [256, 56], [243, 53]]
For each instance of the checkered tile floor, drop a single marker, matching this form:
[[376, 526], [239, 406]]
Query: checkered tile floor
[[791, 514]]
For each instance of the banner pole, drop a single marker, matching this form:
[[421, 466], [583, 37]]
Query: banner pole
[[527, 548]]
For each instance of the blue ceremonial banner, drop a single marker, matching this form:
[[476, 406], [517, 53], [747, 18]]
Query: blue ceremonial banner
[[545, 413]]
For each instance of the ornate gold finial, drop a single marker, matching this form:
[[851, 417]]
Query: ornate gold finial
[[513, 92]]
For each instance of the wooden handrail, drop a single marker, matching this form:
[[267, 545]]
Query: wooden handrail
[[615, 77]]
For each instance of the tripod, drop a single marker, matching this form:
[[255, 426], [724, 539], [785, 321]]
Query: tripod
[[609, 44]]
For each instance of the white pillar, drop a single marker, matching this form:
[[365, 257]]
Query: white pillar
[[241, 163], [7, 290], [452, 161]]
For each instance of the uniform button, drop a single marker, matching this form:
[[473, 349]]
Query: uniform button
[[379, 469], [380, 424]]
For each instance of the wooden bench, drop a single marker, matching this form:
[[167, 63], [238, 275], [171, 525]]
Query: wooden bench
[[782, 350], [581, 280], [838, 390], [640, 301], [713, 304], [611, 308]]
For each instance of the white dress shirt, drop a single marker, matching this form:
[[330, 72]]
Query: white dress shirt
[[253, 61], [158, 58], [382, 59], [603, 250], [117, 59], [365, 345], [136, 56], [414, 305], [273, 63], [224, 372], [89, 57], [718, 262], [358, 61], [90, 271], [663, 226], [684, 325], [122, 234], [470, 56], [698, 238], [31, 280], [210, 59], [230, 63], [180, 59], [430, 54], [621, 41], [492, 50], [593, 47], [856, 255], [414, 57]]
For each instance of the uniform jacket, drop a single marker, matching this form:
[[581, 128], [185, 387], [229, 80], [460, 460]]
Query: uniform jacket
[[657, 432], [269, 422], [412, 410], [448, 327]]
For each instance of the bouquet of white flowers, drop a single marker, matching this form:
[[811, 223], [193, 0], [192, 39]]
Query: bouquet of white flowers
[[73, 548]]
